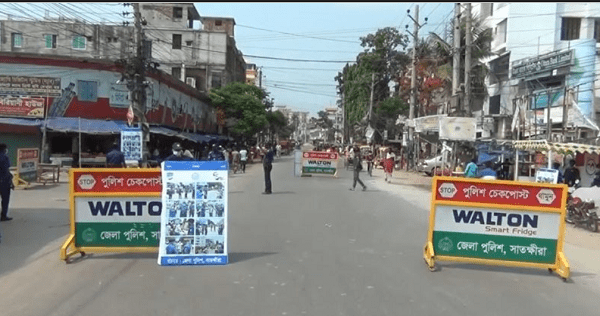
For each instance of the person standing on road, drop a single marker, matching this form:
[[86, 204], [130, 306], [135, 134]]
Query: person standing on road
[[6, 183], [370, 161], [115, 158], [357, 162], [388, 165], [243, 158], [571, 174], [268, 166]]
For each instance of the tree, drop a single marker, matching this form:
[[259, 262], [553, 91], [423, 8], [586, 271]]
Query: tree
[[243, 108], [278, 123], [383, 56]]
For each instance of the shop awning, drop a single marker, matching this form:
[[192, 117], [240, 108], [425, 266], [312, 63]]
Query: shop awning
[[20, 121], [75, 124], [543, 145], [163, 131]]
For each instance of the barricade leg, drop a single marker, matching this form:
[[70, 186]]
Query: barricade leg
[[428, 255], [563, 267], [65, 253]]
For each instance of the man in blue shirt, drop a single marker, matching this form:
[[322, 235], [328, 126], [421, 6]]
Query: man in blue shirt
[[171, 248], [115, 158], [471, 169]]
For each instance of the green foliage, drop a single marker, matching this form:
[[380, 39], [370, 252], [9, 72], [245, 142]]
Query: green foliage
[[244, 107], [392, 107]]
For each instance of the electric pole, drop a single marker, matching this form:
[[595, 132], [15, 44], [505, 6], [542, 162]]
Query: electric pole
[[456, 57], [139, 80], [468, 43], [413, 83]]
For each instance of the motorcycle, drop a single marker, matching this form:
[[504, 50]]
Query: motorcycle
[[596, 181], [579, 212]]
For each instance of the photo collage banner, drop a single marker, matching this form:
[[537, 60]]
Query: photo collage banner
[[194, 217]]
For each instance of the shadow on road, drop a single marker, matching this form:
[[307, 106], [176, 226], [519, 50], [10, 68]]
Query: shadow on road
[[283, 192], [236, 257], [515, 270], [38, 186]]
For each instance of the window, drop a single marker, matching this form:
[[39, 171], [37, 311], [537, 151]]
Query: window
[[17, 40], [570, 29], [177, 13], [188, 43], [218, 23], [176, 41], [176, 73], [87, 90], [500, 36], [50, 40], [79, 42], [216, 80], [495, 104]]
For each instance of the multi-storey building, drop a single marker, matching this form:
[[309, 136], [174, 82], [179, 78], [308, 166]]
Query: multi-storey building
[[545, 66], [70, 69]]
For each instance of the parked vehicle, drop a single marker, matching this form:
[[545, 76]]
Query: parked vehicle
[[580, 212], [429, 166]]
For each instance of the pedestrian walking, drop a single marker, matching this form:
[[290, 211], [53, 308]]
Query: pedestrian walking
[[268, 166], [243, 158], [6, 182], [370, 161], [357, 162], [115, 158], [388, 165]]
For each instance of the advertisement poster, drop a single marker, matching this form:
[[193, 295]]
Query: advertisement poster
[[27, 163], [544, 175], [194, 221], [317, 162], [131, 144], [22, 106]]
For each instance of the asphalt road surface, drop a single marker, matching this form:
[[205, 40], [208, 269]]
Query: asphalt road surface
[[311, 248]]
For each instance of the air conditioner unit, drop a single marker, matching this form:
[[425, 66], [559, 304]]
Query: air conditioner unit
[[191, 81]]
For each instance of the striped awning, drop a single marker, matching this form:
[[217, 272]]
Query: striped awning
[[543, 145]]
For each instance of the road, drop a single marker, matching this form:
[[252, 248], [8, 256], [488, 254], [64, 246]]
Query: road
[[311, 248]]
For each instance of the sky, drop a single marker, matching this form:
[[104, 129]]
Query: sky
[[316, 38], [325, 36]]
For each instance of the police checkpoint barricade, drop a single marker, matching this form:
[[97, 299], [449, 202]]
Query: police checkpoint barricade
[[319, 163], [28, 160], [496, 222], [113, 210]]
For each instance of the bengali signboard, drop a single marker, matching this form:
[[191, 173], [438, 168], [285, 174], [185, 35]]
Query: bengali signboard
[[131, 144], [27, 163], [114, 210], [532, 66], [497, 222], [24, 85], [194, 224], [22, 106], [318, 162], [458, 128]]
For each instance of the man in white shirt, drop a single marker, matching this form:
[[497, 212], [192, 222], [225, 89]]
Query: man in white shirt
[[243, 158], [278, 148]]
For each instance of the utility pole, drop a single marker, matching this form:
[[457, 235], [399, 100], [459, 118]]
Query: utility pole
[[139, 84], [456, 56], [413, 84], [371, 99], [468, 44]]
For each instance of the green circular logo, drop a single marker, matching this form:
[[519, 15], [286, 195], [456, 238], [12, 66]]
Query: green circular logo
[[88, 235], [445, 244]]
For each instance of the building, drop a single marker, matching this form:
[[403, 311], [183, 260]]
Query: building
[[203, 58], [57, 73], [252, 75], [68, 97], [541, 72], [336, 116]]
